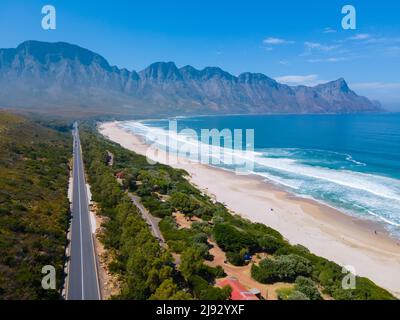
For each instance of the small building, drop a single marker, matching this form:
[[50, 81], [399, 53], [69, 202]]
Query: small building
[[120, 175], [239, 292]]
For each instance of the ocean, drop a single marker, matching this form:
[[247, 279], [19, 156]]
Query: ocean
[[349, 162]]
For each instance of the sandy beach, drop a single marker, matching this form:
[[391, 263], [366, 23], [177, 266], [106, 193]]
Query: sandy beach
[[327, 232]]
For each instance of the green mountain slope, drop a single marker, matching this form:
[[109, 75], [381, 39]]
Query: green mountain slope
[[34, 208]]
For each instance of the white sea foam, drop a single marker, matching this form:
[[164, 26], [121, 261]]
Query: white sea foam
[[367, 192]]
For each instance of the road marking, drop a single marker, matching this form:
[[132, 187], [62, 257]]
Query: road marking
[[80, 225], [78, 170], [92, 243], [90, 231]]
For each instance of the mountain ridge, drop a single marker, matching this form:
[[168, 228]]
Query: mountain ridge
[[63, 77]]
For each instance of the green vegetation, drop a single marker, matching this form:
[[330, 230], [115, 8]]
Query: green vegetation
[[304, 289], [297, 295], [34, 209], [34, 214], [165, 190], [281, 269], [307, 287], [146, 270], [168, 290]]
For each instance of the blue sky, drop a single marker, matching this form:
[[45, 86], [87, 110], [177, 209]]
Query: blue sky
[[292, 41]]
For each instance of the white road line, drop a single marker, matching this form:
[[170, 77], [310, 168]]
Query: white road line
[[80, 224], [91, 239]]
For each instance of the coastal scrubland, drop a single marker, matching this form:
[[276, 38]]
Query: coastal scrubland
[[165, 191], [34, 208]]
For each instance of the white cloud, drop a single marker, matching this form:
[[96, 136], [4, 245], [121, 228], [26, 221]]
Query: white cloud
[[296, 80], [331, 59], [276, 41], [318, 46], [361, 36], [329, 30]]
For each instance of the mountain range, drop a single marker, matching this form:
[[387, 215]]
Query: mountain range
[[65, 79]]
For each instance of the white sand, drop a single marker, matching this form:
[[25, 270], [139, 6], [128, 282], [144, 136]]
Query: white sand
[[92, 215], [323, 230]]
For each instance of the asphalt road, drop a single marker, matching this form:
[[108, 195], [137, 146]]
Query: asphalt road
[[83, 281]]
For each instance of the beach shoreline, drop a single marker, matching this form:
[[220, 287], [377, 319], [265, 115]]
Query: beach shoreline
[[325, 231]]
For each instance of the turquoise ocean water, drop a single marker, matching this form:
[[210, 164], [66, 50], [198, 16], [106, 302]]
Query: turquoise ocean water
[[350, 162]]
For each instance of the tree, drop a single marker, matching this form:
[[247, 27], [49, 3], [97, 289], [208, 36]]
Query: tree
[[203, 291], [191, 262], [168, 290], [200, 238], [282, 268], [231, 239], [269, 243]]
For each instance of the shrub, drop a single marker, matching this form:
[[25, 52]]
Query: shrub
[[201, 226], [231, 239], [297, 295], [202, 248], [203, 291], [237, 258], [308, 287], [200, 238], [282, 268], [269, 243], [184, 203], [283, 294]]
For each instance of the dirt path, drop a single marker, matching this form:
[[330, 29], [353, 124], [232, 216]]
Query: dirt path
[[149, 218], [243, 273]]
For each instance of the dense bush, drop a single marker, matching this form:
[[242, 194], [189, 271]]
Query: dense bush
[[34, 209], [184, 203], [168, 290], [308, 287], [203, 291], [156, 207], [235, 235], [281, 268], [146, 270], [297, 295], [329, 275], [237, 258], [284, 293], [178, 239], [231, 239]]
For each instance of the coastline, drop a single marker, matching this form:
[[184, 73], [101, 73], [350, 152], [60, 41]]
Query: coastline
[[325, 231]]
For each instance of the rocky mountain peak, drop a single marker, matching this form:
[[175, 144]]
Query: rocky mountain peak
[[161, 71], [55, 75]]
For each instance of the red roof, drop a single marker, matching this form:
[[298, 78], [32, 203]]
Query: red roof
[[239, 292], [120, 175]]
